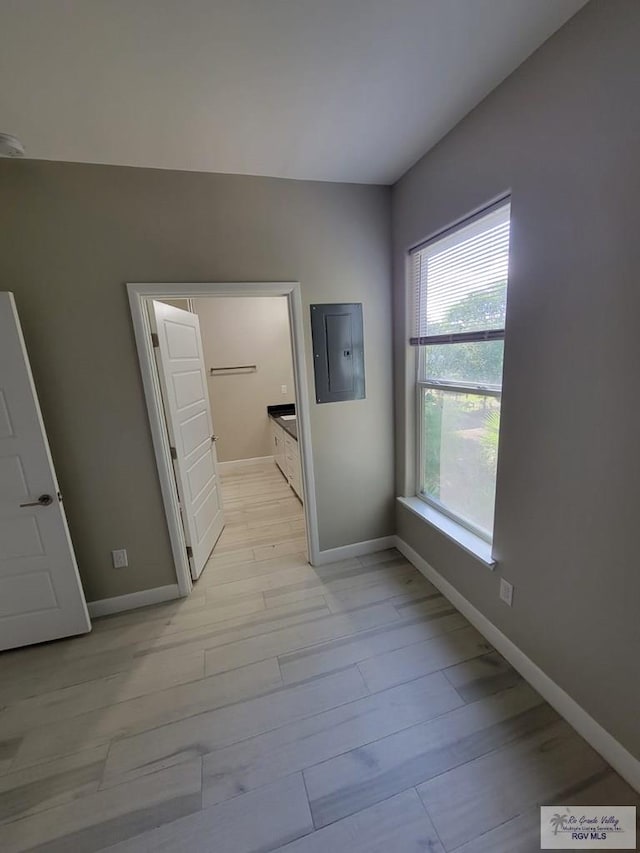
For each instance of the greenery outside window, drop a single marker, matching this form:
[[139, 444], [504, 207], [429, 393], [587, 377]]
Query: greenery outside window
[[459, 283]]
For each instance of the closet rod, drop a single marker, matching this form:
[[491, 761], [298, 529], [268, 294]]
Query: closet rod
[[213, 370]]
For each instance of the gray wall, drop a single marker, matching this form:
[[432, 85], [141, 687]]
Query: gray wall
[[246, 330], [563, 133], [72, 235]]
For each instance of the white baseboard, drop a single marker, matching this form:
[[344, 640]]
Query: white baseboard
[[107, 606], [241, 463], [599, 738], [357, 549]]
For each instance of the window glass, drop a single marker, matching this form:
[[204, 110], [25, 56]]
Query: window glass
[[460, 453], [473, 363]]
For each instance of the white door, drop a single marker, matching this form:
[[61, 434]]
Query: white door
[[41, 595], [183, 377]]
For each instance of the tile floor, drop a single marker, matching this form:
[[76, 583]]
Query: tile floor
[[281, 707]]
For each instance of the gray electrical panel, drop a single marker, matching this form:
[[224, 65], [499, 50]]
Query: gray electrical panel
[[338, 352]]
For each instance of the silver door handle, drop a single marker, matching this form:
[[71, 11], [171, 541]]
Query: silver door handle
[[214, 438], [43, 500]]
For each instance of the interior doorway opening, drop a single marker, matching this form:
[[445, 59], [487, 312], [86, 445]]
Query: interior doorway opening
[[226, 390]]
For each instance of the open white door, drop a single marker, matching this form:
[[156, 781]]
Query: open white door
[[41, 596], [183, 378]]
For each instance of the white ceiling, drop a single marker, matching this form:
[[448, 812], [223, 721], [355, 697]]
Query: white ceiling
[[333, 90]]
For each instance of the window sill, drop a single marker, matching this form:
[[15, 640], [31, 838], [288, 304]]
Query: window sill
[[467, 540]]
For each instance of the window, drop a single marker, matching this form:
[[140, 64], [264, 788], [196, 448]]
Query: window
[[459, 303]]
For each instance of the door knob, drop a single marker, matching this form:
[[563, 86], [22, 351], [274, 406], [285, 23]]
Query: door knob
[[214, 438], [43, 500]]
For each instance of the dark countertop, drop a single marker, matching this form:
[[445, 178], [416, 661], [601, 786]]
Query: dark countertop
[[276, 412]]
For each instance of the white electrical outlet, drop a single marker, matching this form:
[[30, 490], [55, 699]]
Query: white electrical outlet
[[120, 558], [283, 388], [506, 591]]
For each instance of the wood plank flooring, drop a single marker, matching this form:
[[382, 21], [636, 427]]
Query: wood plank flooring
[[281, 707]]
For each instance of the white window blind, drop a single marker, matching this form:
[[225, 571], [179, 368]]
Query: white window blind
[[460, 282], [459, 302]]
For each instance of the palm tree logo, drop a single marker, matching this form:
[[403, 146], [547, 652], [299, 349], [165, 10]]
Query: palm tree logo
[[557, 822]]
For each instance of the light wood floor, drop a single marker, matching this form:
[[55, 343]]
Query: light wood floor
[[281, 707]]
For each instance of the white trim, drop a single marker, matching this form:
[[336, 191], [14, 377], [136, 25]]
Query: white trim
[[139, 294], [232, 464], [452, 529], [599, 738], [107, 606], [356, 549]]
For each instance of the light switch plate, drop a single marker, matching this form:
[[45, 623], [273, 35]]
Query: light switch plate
[[506, 591], [120, 558]]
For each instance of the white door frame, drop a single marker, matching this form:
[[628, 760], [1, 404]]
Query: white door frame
[[139, 295]]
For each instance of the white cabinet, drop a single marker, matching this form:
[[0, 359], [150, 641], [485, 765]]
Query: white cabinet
[[279, 447], [293, 465], [286, 454]]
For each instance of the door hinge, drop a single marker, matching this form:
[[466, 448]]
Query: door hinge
[[174, 453], [154, 340], [189, 552]]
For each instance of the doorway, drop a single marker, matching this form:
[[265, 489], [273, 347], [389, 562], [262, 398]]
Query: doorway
[[286, 415]]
